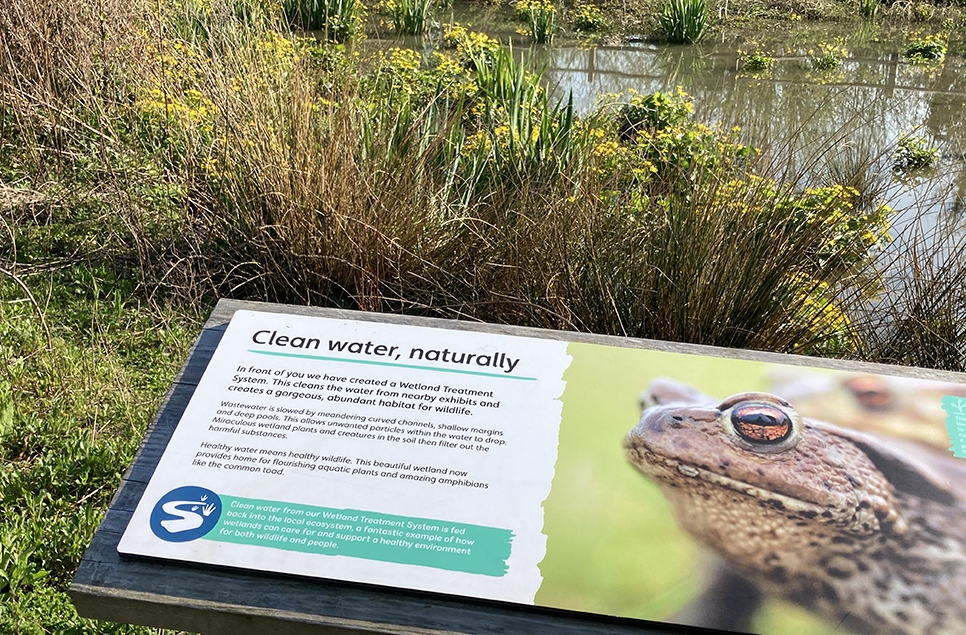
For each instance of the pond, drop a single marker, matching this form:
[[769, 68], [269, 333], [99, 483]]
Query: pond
[[842, 124], [838, 125]]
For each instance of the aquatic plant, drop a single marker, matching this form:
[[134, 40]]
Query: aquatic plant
[[408, 16], [658, 145], [756, 61], [927, 50], [528, 134], [472, 47], [339, 20], [588, 18], [683, 21], [541, 18], [827, 57], [914, 153]]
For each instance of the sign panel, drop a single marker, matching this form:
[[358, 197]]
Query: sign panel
[[579, 476], [363, 451]]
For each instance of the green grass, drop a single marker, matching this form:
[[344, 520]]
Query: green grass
[[73, 409], [85, 357]]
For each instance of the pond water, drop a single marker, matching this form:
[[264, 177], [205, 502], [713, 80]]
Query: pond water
[[841, 125]]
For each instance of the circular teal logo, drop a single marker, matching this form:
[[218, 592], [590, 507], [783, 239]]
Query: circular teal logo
[[186, 513]]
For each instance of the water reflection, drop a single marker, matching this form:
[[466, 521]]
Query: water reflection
[[842, 124]]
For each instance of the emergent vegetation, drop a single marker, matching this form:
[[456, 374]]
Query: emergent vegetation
[[408, 16], [588, 18], [339, 20], [541, 19], [827, 57], [684, 21], [914, 153], [755, 61], [869, 8], [927, 50]]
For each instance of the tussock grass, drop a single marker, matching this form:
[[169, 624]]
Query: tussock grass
[[919, 318], [285, 171]]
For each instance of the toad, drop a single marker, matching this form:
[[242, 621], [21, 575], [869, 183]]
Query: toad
[[869, 532], [903, 407]]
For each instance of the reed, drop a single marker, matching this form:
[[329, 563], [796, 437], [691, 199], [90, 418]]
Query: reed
[[409, 17], [684, 21], [339, 20], [541, 17], [868, 9]]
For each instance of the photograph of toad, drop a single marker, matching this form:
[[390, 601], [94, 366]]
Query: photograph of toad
[[755, 497]]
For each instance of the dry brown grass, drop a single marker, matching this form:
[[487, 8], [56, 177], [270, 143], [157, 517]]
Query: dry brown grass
[[279, 180], [919, 319]]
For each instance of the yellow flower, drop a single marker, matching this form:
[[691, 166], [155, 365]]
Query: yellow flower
[[607, 148]]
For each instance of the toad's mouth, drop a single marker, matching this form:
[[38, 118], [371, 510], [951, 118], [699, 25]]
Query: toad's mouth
[[676, 473]]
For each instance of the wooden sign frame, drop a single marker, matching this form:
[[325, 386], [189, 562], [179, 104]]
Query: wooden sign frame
[[220, 600]]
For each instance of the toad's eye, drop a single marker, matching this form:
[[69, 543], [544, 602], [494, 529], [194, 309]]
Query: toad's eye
[[761, 423]]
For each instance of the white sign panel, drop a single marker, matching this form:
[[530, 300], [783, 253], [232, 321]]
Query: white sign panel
[[371, 452]]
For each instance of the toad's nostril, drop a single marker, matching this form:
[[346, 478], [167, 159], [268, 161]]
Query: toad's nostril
[[871, 393]]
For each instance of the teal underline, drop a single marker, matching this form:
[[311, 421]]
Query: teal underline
[[372, 363]]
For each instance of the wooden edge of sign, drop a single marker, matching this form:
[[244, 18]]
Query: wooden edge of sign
[[218, 600]]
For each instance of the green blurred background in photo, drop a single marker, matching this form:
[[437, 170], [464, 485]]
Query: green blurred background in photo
[[613, 546]]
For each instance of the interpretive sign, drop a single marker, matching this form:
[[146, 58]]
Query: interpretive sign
[[601, 476], [362, 451]]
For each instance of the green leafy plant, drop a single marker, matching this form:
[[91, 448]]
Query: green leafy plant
[[472, 47], [541, 18], [914, 153], [756, 61], [17, 567], [684, 21], [339, 20], [588, 18], [522, 131], [927, 50], [654, 111], [827, 57], [408, 16]]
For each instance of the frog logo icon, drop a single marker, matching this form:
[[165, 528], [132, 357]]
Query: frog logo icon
[[185, 513]]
